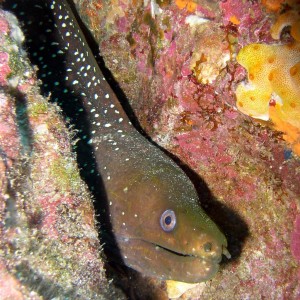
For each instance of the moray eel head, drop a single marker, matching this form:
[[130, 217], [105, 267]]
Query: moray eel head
[[160, 227]]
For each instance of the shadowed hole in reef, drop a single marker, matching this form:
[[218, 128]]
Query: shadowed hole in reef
[[39, 42], [23, 167], [24, 129]]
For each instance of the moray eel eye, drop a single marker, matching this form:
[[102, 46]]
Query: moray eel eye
[[168, 220]]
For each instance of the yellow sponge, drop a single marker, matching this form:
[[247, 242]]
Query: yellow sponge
[[273, 74], [273, 87]]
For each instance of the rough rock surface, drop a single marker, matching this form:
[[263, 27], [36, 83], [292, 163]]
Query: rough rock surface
[[176, 64]]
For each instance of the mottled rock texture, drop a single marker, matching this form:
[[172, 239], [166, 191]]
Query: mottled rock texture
[[177, 66]]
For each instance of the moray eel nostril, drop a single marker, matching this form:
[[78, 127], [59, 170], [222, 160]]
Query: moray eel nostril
[[207, 247]]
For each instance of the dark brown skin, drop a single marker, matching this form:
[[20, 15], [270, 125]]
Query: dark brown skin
[[136, 218], [156, 219]]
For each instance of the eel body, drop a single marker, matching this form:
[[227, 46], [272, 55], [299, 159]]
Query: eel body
[[158, 224]]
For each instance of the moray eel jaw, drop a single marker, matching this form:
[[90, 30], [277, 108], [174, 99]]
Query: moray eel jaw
[[169, 265]]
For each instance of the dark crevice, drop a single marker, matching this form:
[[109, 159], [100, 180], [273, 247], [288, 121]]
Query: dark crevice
[[22, 119]]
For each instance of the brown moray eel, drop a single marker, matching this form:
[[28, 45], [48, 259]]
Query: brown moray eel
[[158, 224]]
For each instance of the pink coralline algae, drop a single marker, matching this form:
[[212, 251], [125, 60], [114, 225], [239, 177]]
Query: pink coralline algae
[[295, 239], [248, 19], [240, 12], [8, 130], [4, 67], [3, 25]]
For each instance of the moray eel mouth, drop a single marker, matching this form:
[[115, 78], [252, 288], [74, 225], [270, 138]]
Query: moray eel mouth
[[169, 263], [225, 252]]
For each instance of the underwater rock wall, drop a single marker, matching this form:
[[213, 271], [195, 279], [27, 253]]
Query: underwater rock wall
[[49, 246], [176, 63]]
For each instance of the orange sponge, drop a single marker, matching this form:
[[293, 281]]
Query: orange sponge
[[290, 18], [189, 5], [290, 133]]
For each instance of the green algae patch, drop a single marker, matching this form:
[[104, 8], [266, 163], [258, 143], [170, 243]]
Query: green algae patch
[[17, 66], [66, 174], [38, 108]]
